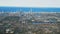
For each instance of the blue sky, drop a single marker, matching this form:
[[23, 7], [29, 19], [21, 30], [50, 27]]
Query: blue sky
[[27, 9]]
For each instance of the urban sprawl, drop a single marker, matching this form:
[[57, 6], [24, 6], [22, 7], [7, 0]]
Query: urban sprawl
[[29, 23]]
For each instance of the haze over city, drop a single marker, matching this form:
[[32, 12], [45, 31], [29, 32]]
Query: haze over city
[[30, 3]]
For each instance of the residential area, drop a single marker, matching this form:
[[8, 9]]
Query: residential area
[[29, 23]]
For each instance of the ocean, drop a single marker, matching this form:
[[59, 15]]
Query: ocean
[[27, 9]]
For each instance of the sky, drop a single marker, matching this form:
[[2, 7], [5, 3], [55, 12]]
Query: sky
[[35, 5], [30, 3]]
